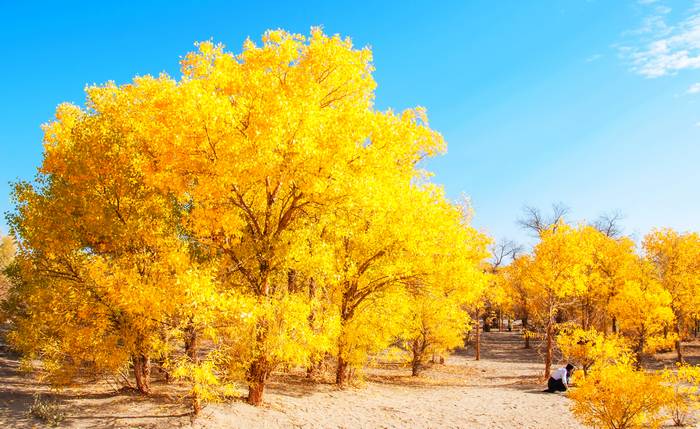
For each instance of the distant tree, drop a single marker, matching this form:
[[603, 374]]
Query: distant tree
[[7, 254], [609, 224], [555, 275], [536, 222], [676, 258]]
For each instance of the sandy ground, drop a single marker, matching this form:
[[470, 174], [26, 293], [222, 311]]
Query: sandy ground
[[499, 391]]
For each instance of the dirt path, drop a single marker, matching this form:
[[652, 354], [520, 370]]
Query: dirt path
[[500, 391]]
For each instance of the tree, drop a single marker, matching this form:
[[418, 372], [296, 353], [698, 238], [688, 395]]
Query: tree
[[517, 287], [537, 223], [98, 253], [438, 317], [496, 298], [642, 308], [609, 224], [256, 213], [265, 159], [676, 258], [613, 262], [381, 263], [7, 254], [555, 275], [300, 115]]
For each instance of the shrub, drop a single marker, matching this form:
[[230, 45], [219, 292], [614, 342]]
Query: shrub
[[47, 411], [619, 397], [685, 397]]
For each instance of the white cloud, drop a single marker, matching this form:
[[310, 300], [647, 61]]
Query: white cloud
[[665, 48], [594, 57], [694, 88], [647, 1]]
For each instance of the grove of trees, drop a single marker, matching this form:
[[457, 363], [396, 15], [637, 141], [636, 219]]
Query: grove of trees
[[598, 300], [259, 214]]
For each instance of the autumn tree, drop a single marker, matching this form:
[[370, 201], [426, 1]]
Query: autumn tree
[[97, 253], [520, 293], [498, 301], [256, 213], [555, 275], [7, 254], [613, 262], [438, 317], [267, 155], [676, 257], [380, 267], [642, 308]]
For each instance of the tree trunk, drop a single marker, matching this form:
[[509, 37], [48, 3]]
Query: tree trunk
[[255, 393], [415, 366], [614, 325], [292, 281], [639, 352], [677, 344], [477, 339], [314, 366], [417, 349], [191, 342], [341, 372], [196, 405], [604, 325], [257, 377], [142, 373], [526, 332], [549, 350]]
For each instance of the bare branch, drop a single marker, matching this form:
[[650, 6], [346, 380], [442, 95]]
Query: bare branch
[[609, 224], [501, 251], [534, 221]]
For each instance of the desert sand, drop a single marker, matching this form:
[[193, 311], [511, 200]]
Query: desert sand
[[502, 390]]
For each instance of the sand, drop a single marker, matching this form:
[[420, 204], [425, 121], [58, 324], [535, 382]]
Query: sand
[[502, 390]]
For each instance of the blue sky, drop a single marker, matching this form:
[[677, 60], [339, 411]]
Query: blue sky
[[590, 103]]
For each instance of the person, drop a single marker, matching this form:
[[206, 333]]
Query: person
[[560, 378]]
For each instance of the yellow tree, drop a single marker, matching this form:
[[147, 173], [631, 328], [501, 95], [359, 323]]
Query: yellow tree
[[642, 308], [97, 249], [517, 288], [556, 275], [613, 261], [7, 254], [217, 207], [380, 254], [676, 258], [259, 149], [497, 302], [438, 308]]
